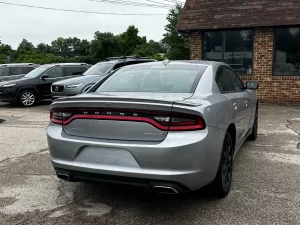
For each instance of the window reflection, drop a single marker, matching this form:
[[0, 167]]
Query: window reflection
[[231, 47], [287, 52]]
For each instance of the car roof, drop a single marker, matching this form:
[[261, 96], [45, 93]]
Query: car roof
[[67, 64], [19, 64], [130, 58], [184, 62]]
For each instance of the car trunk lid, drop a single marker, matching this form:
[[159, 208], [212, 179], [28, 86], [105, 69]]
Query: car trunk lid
[[119, 116]]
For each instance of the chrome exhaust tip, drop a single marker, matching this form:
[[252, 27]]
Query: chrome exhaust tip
[[165, 190], [63, 176]]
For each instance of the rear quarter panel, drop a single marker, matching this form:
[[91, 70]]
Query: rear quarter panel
[[215, 109]]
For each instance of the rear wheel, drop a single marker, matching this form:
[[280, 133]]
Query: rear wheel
[[27, 98], [253, 135], [222, 182]]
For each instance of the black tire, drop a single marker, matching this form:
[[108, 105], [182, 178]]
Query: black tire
[[253, 135], [27, 98], [222, 183]]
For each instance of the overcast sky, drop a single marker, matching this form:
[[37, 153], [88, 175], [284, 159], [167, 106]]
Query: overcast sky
[[38, 25]]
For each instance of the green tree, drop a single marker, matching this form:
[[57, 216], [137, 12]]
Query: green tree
[[104, 45], [61, 47], [42, 47], [25, 46], [6, 52], [177, 44], [129, 40]]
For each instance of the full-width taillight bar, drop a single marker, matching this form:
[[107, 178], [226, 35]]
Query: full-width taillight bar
[[164, 121]]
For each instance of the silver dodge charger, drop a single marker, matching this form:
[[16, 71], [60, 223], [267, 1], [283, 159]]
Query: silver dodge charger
[[172, 126]]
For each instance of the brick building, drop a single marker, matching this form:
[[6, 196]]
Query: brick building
[[260, 39]]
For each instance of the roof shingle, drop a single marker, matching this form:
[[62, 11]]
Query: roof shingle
[[216, 14]]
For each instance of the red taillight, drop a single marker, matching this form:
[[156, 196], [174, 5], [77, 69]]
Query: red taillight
[[186, 123], [59, 117], [162, 120], [181, 122]]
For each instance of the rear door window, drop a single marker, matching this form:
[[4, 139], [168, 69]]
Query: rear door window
[[73, 71], [27, 69], [235, 80], [15, 70], [223, 81], [83, 69]]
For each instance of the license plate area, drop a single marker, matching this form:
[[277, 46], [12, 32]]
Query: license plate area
[[101, 156]]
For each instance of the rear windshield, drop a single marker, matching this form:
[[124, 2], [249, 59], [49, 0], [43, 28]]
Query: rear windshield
[[154, 78], [98, 69]]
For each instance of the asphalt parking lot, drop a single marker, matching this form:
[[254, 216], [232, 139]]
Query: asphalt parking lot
[[266, 185]]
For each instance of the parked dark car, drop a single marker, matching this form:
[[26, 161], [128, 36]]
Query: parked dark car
[[36, 85], [15, 71], [78, 85]]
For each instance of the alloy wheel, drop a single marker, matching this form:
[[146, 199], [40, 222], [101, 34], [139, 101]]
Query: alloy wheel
[[28, 98]]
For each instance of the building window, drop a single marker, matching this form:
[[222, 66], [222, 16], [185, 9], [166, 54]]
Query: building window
[[287, 52], [234, 48]]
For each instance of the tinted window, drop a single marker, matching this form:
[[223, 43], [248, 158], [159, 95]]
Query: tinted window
[[3, 71], [154, 78], [83, 69], [213, 42], [72, 71], [287, 51], [235, 80], [16, 70], [98, 69], [223, 82], [231, 47], [27, 69], [54, 72]]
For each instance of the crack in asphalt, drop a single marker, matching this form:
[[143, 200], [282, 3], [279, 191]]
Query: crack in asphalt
[[17, 157], [298, 133]]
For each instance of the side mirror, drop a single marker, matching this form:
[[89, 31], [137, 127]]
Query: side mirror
[[44, 77], [252, 85]]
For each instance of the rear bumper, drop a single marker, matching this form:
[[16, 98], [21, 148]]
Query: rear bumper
[[77, 176], [186, 159]]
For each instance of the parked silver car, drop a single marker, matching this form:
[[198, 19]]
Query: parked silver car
[[174, 126], [79, 85]]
